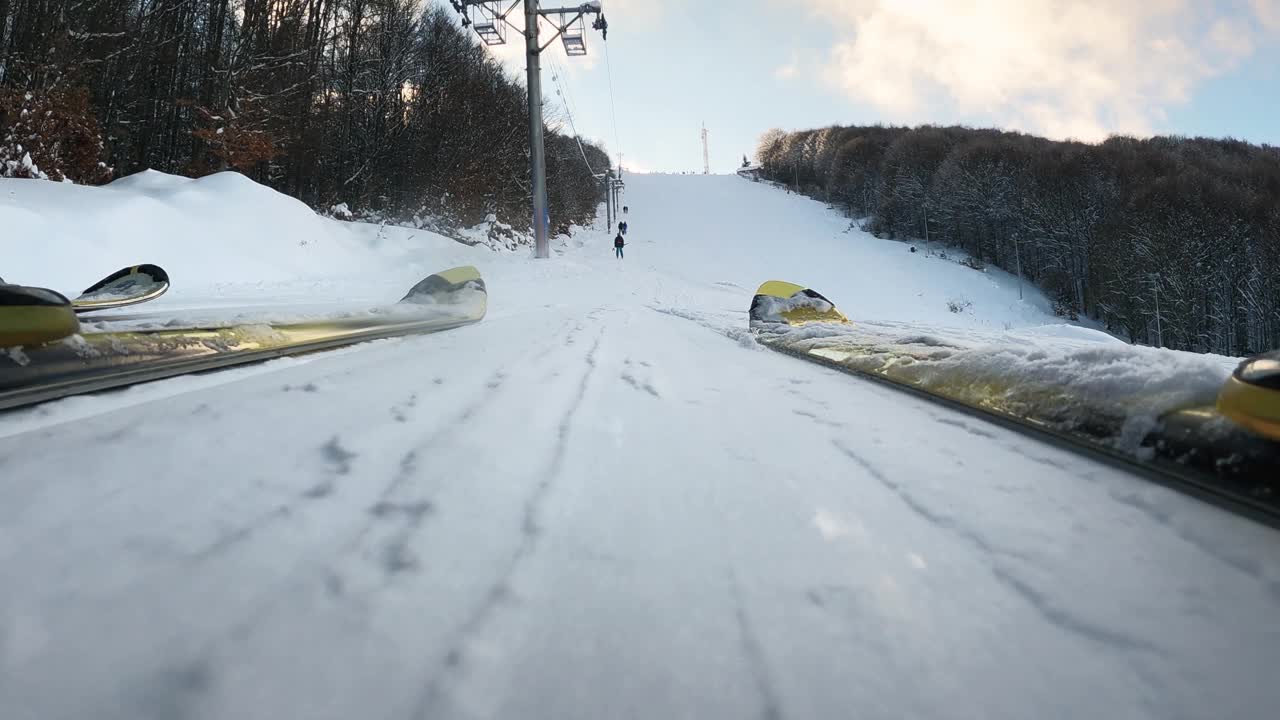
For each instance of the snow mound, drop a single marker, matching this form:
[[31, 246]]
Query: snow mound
[[219, 229], [150, 182], [1072, 332]]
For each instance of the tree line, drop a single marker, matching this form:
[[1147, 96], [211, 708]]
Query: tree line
[[1167, 241], [388, 106]]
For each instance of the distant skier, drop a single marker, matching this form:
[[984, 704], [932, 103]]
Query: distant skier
[[625, 209], [618, 244], [622, 227]]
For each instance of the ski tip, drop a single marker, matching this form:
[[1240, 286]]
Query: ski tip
[[447, 286], [776, 301], [1251, 396], [127, 286], [779, 289], [31, 316], [152, 274]]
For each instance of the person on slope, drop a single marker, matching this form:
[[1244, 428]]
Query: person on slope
[[622, 227], [618, 244]]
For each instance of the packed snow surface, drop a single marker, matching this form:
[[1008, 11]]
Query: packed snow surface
[[604, 500]]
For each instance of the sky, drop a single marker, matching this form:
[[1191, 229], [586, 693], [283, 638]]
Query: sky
[[1082, 69]]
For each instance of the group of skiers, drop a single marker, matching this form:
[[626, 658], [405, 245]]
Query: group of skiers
[[619, 242]]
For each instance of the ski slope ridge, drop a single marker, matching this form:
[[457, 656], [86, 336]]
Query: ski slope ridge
[[604, 500]]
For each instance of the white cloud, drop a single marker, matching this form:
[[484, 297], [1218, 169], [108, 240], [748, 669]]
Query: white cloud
[[1065, 68], [1268, 12], [788, 70], [634, 15], [633, 166]]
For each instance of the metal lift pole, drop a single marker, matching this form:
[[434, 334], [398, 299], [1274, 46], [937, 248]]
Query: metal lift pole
[[537, 156], [488, 26]]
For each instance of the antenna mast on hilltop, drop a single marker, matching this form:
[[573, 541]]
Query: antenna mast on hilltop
[[706, 157]]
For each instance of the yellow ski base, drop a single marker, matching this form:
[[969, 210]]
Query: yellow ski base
[[1251, 406], [36, 324], [779, 289], [33, 315]]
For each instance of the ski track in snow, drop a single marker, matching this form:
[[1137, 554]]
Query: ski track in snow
[[530, 532], [769, 708], [1041, 604], [606, 500]]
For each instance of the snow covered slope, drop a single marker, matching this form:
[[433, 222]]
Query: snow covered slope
[[730, 230], [224, 238], [603, 501]]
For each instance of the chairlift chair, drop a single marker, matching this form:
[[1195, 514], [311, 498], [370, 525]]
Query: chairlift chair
[[486, 19], [573, 36]]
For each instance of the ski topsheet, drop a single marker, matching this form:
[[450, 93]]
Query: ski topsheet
[[1225, 445], [92, 361]]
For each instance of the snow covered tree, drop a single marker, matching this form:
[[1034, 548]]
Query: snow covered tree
[[1166, 240], [768, 149], [909, 166], [387, 105]]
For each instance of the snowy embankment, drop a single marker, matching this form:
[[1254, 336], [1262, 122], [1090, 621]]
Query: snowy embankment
[[592, 503], [223, 238]]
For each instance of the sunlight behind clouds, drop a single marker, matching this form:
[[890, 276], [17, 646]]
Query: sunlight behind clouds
[[1065, 68]]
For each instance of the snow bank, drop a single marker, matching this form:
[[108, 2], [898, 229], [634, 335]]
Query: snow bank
[[223, 228], [1071, 332]]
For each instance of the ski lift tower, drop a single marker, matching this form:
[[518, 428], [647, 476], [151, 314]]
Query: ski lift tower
[[488, 17]]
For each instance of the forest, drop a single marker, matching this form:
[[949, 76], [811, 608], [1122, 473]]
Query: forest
[[386, 106], [1167, 241]]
